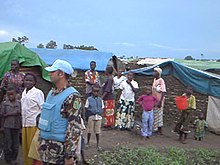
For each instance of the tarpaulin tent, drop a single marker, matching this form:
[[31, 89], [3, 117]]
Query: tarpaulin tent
[[26, 58], [79, 59], [201, 81]]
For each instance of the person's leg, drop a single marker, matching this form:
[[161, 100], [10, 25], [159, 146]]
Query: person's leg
[[187, 120], [88, 138], [180, 136], [27, 136], [97, 139], [89, 129], [160, 121], [15, 143], [144, 124], [185, 138], [150, 123], [7, 144], [97, 130]]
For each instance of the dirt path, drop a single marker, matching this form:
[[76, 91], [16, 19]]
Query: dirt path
[[115, 138]]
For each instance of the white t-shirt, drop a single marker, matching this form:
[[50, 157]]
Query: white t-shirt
[[118, 81], [31, 103], [127, 92]]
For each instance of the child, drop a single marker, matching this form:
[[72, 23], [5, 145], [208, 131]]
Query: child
[[182, 127], [148, 102], [94, 104], [2, 93], [11, 112], [200, 125], [33, 151]]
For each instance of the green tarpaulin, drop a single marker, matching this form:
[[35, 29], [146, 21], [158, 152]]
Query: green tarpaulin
[[26, 58]]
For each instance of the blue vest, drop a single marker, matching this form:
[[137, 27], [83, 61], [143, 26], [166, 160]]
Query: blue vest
[[52, 125], [95, 105]]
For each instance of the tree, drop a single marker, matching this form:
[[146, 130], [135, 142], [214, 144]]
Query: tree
[[40, 45], [189, 58], [51, 45], [68, 46], [83, 47], [21, 40]]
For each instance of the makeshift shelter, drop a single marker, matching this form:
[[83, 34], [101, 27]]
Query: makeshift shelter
[[26, 58], [79, 59], [29, 62], [202, 82]]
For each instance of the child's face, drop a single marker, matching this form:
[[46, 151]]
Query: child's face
[[11, 95], [95, 92], [148, 91], [29, 81], [201, 116]]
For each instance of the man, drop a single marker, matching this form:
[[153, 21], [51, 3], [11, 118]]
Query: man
[[91, 78], [60, 127], [14, 77]]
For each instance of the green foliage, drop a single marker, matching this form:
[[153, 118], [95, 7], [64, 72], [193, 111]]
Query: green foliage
[[51, 45], [152, 156], [189, 58], [21, 40], [82, 47], [40, 45]]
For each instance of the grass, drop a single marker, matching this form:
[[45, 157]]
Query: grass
[[153, 156]]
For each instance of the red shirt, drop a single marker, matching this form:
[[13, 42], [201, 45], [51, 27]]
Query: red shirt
[[147, 102]]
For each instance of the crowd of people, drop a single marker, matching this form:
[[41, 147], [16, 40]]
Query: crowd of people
[[52, 128]]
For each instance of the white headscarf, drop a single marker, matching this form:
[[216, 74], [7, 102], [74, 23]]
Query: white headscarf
[[158, 69]]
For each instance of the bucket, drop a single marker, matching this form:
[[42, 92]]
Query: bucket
[[181, 102]]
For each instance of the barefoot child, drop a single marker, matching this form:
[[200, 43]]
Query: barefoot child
[[94, 104], [11, 112], [200, 126], [148, 102]]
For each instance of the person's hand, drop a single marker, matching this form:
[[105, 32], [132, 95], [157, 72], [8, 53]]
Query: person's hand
[[69, 161]]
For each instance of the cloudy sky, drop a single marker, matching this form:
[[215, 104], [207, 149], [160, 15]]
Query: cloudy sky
[[144, 28]]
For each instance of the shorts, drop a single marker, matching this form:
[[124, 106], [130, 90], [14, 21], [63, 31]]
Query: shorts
[[94, 126]]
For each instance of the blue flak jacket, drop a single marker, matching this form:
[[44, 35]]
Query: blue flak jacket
[[52, 125]]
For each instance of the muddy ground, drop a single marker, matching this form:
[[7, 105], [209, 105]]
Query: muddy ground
[[111, 139]]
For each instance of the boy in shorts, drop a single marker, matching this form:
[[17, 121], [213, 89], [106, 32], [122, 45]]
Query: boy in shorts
[[94, 105]]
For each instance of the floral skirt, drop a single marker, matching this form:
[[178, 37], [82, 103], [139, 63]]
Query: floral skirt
[[125, 114]]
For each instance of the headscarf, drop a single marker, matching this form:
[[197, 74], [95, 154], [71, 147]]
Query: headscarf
[[158, 69]]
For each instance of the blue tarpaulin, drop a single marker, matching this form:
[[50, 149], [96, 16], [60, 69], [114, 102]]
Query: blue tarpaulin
[[79, 59], [202, 82]]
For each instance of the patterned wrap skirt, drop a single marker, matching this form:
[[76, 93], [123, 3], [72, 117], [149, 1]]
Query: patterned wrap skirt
[[109, 114], [158, 118]]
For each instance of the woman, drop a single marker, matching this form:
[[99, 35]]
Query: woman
[[31, 102], [108, 98], [126, 105], [158, 90]]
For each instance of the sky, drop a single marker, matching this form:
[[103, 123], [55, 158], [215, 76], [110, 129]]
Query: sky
[[143, 28]]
